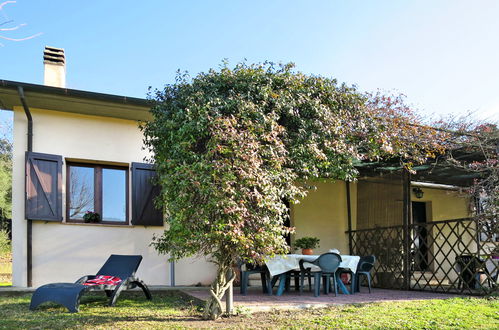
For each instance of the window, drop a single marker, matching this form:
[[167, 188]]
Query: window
[[98, 188]]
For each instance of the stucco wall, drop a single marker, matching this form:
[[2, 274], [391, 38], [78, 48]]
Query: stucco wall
[[323, 214], [444, 204], [63, 252]]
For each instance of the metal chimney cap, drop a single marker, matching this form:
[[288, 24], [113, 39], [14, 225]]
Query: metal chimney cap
[[54, 55]]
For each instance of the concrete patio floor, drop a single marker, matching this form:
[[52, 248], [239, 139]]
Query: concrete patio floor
[[255, 300]]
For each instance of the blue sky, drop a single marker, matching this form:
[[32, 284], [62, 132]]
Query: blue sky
[[444, 55]]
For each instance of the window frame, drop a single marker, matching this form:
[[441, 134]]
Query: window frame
[[98, 191]]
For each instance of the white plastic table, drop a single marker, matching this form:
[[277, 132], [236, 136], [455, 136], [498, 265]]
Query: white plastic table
[[279, 265], [282, 264]]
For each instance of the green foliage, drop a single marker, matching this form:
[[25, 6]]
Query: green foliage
[[5, 179], [307, 243], [5, 259], [90, 216], [4, 243], [231, 145]]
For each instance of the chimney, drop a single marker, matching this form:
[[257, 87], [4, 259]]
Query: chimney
[[54, 62]]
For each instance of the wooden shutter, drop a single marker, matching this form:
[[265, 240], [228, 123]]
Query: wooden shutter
[[143, 194], [43, 187]]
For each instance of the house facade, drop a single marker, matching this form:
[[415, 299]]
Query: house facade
[[97, 157], [78, 151]]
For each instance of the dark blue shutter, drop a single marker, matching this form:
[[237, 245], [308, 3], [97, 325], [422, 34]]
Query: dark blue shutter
[[43, 187], [144, 192]]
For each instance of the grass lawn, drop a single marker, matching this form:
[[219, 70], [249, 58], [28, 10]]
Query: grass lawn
[[169, 309]]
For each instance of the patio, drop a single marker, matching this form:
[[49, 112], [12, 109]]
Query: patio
[[256, 301]]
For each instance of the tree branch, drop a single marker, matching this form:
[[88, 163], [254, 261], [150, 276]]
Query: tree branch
[[22, 39], [12, 28], [5, 3]]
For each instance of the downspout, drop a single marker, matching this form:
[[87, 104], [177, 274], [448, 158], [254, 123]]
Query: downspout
[[20, 90], [172, 273], [29, 228]]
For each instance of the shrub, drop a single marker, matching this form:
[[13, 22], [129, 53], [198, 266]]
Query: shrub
[[4, 242]]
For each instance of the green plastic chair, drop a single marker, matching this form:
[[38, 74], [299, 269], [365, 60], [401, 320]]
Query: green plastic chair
[[328, 264], [469, 269], [254, 269], [364, 267]]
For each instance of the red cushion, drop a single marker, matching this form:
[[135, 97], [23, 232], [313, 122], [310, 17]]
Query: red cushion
[[104, 280]]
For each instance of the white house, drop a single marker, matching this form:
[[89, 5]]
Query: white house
[[78, 151]]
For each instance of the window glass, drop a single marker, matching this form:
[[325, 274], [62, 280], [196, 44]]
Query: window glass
[[81, 191], [113, 195]]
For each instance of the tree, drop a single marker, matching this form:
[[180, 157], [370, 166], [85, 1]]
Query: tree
[[5, 180], [8, 26], [475, 149], [231, 145]]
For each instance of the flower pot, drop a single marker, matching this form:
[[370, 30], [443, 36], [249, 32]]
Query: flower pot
[[307, 252]]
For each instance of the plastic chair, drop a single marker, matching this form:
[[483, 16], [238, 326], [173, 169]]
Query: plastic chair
[[296, 275], [469, 269], [364, 267], [328, 264], [254, 269], [305, 272]]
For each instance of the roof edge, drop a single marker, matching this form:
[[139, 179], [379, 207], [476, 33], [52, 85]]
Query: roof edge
[[75, 93]]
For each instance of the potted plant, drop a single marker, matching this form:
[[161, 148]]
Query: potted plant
[[91, 217], [307, 244]]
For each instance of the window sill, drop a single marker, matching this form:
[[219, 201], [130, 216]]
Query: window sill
[[98, 224]]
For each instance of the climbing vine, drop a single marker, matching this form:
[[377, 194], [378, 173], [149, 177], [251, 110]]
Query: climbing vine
[[231, 145]]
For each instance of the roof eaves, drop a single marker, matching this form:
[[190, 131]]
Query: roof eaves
[[74, 93]]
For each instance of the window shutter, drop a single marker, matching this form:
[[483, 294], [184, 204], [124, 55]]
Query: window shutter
[[143, 194], [43, 187]]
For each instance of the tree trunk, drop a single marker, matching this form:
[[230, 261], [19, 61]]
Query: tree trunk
[[225, 276]]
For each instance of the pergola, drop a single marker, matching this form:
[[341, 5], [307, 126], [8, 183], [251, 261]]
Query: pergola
[[458, 259]]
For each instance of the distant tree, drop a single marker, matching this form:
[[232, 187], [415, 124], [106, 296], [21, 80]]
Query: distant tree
[[5, 178], [7, 26], [231, 145], [479, 142]]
